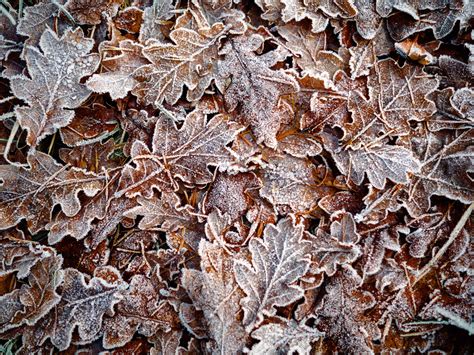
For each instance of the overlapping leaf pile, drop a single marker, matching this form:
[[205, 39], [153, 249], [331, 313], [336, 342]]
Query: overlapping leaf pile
[[210, 176]]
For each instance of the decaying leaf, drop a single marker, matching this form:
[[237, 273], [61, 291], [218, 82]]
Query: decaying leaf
[[34, 299], [236, 176], [53, 87], [185, 153], [165, 212], [216, 293], [246, 79], [190, 61], [83, 304], [30, 193], [142, 310], [285, 335], [90, 12], [118, 79], [339, 247], [277, 263]]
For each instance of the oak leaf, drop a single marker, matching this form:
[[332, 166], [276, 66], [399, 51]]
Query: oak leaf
[[338, 247], [164, 211], [182, 153], [53, 88], [117, 79], [83, 304], [293, 183], [214, 290], [341, 314], [278, 261], [37, 296], [90, 12], [397, 95], [246, 79], [142, 309], [189, 62], [32, 193], [286, 336]]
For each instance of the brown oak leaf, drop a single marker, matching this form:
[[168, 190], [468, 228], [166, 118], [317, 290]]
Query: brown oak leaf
[[31, 193], [191, 61], [246, 79], [53, 88], [278, 261]]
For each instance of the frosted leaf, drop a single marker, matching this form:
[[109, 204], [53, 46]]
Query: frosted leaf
[[396, 96], [462, 101], [190, 61], [153, 18], [17, 254], [164, 211], [193, 320], [91, 157], [453, 308], [278, 261], [410, 7], [292, 182], [9, 40], [110, 218], [338, 247], [142, 310], [35, 20], [318, 11], [299, 145], [136, 253], [215, 291], [367, 19], [32, 193], [420, 53], [139, 126], [90, 12], [83, 304], [379, 203], [272, 9], [285, 336], [182, 153], [297, 10], [441, 21], [36, 296], [431, 229], [246, 79], [446, 163], [230, 194], [341, 314], [129, 19], [117, 78], [332, 8], [79, 225], [329, 107], [377, 240], [364, 54], [166, 342], [311, 53], [391, 276], [54, 87], [379, 164], [455, 109], [341, 201], [90, 124]]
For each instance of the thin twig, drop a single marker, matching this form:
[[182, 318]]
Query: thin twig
[[452, 237], [8, 15]]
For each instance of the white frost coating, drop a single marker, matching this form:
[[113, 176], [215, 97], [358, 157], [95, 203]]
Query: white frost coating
[[277, 263]]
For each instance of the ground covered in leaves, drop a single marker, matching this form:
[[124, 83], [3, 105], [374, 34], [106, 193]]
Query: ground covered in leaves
[[209, 176]]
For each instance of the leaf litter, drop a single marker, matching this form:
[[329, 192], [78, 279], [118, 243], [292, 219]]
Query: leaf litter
[[218, 176]]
